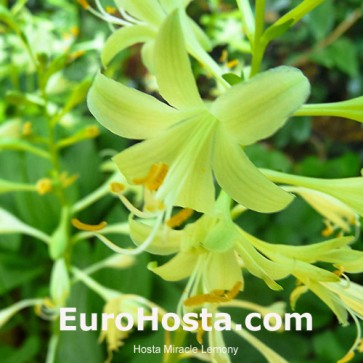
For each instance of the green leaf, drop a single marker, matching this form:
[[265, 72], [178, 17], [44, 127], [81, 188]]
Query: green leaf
[[276, 30], [25, 353], [342, 54], [318, 27], [17, 270], [232, 78], [298, 12], [7, 18]]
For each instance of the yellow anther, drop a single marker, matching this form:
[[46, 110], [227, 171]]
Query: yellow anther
[[27, 129], [177, 219], [84, 4], [224, 56], [233, 63], [66, 180], [360, 346], [216, 296], [339, 272], [88, 227], [329, 230], [111, 10], [117, 188], [74, 31], [44, 186], [347, 358], [154, 178], [76, 55], [92, 131]]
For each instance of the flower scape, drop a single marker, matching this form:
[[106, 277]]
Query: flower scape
[[186, 181]]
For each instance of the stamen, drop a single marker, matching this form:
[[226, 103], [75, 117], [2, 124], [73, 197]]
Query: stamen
[[233, 63], [117, 188], [84, 4], [66, 180], [88, 227], [27, 129], [155, 177], [224, 56], [216, 296], [234, 291], [177, 219], [75, 55], [44, 186], [74, 31], [329, 230], [360, 346], [142, 247]]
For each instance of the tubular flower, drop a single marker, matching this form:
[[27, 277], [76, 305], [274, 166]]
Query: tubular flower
[[340, 201], [193, 139], [115, 303], [211, 252], [340, 295], [141, 23]]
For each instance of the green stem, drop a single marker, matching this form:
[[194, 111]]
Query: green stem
[[258, 45], [52, 346]]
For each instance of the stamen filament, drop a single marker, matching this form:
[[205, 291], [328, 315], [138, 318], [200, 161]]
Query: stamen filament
[[136, 250]]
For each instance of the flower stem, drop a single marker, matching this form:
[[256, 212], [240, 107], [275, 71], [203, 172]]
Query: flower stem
[[258, 46]]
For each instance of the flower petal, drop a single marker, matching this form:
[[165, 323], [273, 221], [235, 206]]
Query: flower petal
[[242, 180], [191, 172], [178, 268], [162, 244], [173, 70], [186, 149], [125, 37], [221, 271], [197, 44], [256, 109], [127, 112], [347, 190], [148, 11]]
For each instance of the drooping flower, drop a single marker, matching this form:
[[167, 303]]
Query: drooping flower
[[192, 139], [140, 22], [340, 201], [116, 303], [342, 296], [211, 252]]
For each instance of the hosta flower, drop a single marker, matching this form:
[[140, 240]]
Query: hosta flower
[[341, 296], [340, 201], [191, 140], [115, 303], [212, 253], [140, 23]]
